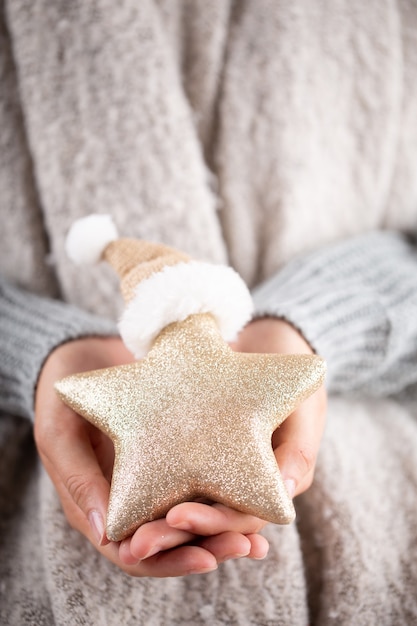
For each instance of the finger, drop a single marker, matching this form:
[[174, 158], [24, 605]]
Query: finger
[[67, 452], [297, 442], [231, 545], [206, 520], [150, 539], [89, 526], [306, 482], [259, 547], [178, 562], [226, 546]]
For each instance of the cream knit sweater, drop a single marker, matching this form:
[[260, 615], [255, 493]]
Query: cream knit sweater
[[279, 137]]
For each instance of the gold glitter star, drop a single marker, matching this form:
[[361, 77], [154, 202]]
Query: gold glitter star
[[192, 420]]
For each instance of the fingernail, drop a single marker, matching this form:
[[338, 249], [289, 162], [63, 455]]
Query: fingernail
[[229, 557], [97, 525], [204, 570], [290, 486], [182, 525], [151, 552], [261, 556]]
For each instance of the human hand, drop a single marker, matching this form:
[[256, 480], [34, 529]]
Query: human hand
[[193, 539], [296, 442], [79, 459]]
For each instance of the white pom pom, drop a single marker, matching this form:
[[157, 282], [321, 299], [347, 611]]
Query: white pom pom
[[88, 238]]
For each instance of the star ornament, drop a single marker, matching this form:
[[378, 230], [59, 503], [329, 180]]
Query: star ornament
[[194, 419]]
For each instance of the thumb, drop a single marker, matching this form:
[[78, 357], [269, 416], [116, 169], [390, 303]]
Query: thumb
[[296, 462], [296, 443], [70, 458], [88, 490]]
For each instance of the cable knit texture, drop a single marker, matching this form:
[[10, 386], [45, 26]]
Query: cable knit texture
[[356, 303], [281, 137]]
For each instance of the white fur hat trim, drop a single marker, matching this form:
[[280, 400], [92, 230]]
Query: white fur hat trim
[[178, 291]]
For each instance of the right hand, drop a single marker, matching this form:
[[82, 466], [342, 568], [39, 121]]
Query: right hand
[[79, 459]]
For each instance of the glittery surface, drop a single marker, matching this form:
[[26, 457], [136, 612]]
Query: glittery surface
[[194, 419]]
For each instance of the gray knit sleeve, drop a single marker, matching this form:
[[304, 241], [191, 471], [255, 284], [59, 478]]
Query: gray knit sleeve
[[30, 327], [356, 304]]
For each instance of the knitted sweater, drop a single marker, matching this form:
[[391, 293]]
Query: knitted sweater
[[280, 139], [364, 289]]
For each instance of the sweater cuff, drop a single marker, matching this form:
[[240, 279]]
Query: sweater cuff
[[31, 327], [349, 301]]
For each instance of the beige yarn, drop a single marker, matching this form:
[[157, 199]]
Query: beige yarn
[[136, 260]]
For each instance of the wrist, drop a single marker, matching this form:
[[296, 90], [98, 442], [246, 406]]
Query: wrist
[[272, 335]]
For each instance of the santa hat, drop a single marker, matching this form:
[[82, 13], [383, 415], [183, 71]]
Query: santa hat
[[160, 285]]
